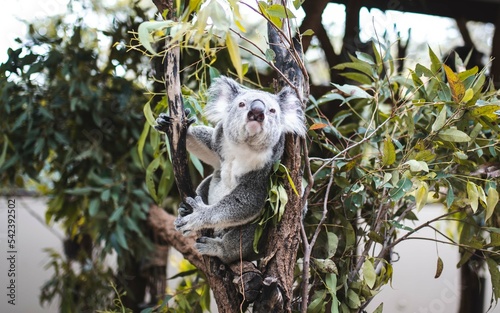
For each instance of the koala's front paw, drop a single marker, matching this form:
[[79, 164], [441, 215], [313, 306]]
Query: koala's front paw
[[184, 209], [191, 221], [209, 246], [162, 122]]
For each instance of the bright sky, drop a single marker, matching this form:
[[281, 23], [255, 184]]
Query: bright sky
[[11, 16]]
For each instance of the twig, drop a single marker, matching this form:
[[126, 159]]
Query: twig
[[308, 246]]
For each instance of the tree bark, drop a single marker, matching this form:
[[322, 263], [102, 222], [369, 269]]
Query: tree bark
[[283, 240], [218, 276]]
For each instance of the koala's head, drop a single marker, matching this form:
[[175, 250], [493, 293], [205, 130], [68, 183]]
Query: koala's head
[[254, 117]]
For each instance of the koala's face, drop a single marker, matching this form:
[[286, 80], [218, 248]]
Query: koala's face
[[254, 117]]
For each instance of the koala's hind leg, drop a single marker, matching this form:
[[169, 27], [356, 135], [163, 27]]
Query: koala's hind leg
[[235, 244]]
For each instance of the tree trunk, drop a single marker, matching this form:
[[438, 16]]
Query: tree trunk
[[472, 286], [276, 289], [283, 240]]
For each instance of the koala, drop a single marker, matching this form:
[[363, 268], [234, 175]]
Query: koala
[[246, 140]]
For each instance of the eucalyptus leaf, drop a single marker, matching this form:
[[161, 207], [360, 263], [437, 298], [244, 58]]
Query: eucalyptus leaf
[[369, 275], [401, 189], [453, 135], [146, 28]]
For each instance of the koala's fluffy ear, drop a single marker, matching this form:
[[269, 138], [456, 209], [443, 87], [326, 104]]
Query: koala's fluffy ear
[[220, 94], [293, 114]]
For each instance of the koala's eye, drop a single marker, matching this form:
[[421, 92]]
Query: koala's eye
[[272, 110], [241, 104]]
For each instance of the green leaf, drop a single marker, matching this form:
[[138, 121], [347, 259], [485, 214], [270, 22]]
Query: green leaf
[[467, 73], [333, 242], [379, 309], [94, 206], [289, 178], [369, 274], [117, 213], [439, 268], [256, 237], [422, 70], [142, 142], [491, 203], [331, 285], [166, 181], [440, 120], [150, 174], [402, 187], [4, 150], [205, 298], [495, 277], [197, 164], [144, 32], [378, 59], [326, 266], [488, 111], [421, 196], [132, 225], [353, 300], [80, 191], [120, 237], [469, 93], [473, 195], [308, 32], [278, 10], [453, 135], [389, 152], [450, 197], [358, 77], [270, 55], [435, 62], [400, 226], [149, 114], [417, 166], [361, 66], [353, 92], [283, 200], [234, 54], [318, 302]]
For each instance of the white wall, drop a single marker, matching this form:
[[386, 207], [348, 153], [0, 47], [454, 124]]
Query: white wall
[[414, 288], [32, 236]]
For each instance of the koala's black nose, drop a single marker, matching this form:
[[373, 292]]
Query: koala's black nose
[[256, 112]]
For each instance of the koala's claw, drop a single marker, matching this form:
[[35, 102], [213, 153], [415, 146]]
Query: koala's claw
[[190, 120], [162, 122], [184, 209], [195, 202], [209, 246], [180, 223]]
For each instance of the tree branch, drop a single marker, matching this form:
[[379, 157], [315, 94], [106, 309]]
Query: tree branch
[[162, 224]]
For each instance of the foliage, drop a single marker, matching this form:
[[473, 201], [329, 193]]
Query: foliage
[[74, 128], [399, 143], [70, 124], [80, 291], [394, 144]]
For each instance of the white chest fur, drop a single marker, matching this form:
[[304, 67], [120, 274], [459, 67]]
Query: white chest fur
[[238, 160]]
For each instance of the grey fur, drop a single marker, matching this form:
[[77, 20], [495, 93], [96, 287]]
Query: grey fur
[[248, 138]]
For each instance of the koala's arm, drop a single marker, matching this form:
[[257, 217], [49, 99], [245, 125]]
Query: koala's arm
[[200, 143], [241, 206]]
